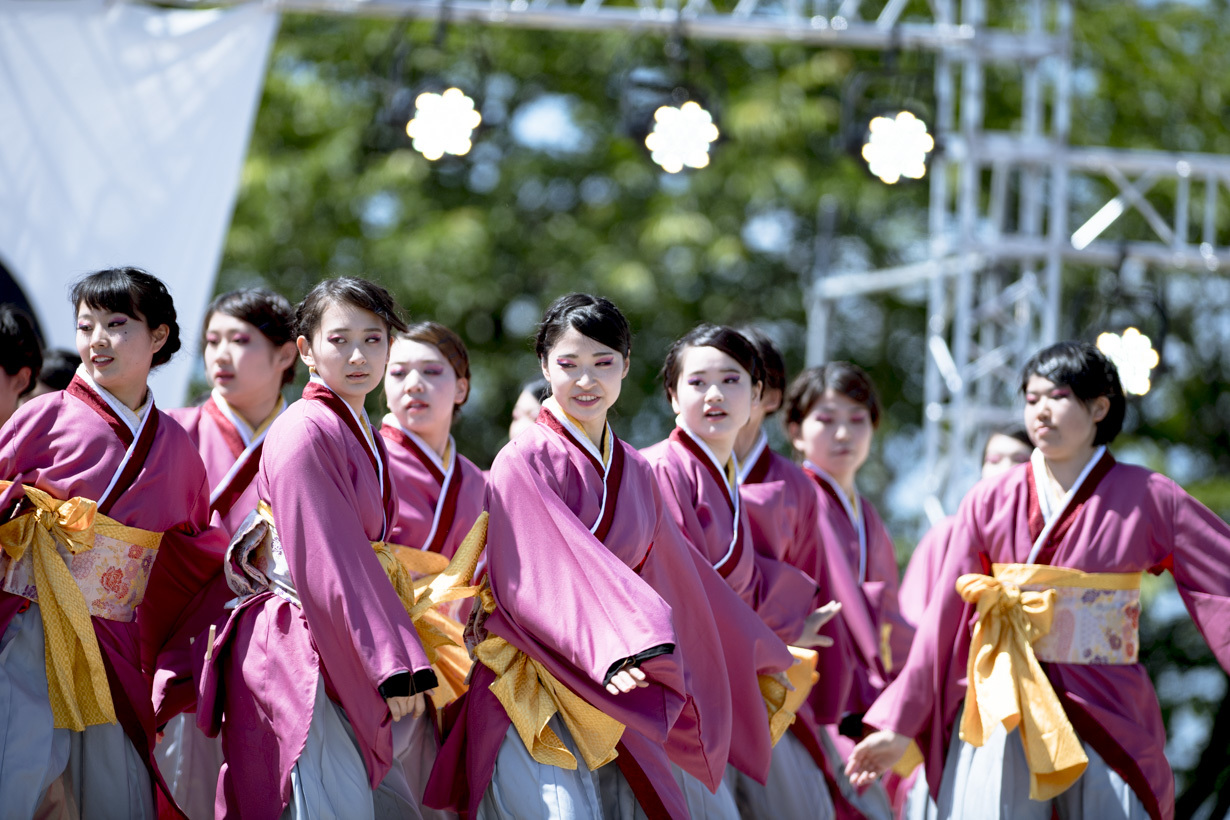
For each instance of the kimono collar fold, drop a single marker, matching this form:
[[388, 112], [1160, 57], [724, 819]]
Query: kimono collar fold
[[748, 466], [730, 470], [443, 464], [246, 432], [364, 426], [133, 419], [1053, 503], [574, 427], [853, 508]]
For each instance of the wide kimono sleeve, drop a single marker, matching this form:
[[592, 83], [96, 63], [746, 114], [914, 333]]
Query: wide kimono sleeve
[[558, 588], [1200, 562], [783, 595], [918, 582], [922, 700], [187, 592], [358, 624]]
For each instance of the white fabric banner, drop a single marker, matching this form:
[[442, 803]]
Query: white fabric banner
[[123, 131]]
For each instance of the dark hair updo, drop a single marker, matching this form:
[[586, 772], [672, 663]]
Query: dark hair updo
[[450, 345], [731, 342], [770, 357], [269, 312], [592, 316], [134, 293], [843, 378], [19, 345], [347, 290], [1089, 373]]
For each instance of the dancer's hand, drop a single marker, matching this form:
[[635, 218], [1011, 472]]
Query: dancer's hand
[[412, 705], [874, 755], [625, 680], [811, 636]]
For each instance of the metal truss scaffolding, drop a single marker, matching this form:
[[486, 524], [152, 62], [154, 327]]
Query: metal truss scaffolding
[[1002, 204]]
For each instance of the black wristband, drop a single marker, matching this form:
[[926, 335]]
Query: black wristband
[[851, 725], [637, 660], [403, 684]]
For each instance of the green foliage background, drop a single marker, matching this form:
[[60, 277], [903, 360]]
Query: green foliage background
[[483, 243]]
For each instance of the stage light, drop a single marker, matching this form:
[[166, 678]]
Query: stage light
[[1134, 357], [897, 147], [443, 123], [681, 136]]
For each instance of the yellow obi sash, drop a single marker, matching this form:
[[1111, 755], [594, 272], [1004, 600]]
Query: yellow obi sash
[[1016, 609], [531, 696], [75, 563], [781, 703]]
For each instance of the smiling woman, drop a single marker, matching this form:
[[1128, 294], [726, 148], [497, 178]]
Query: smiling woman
[[83, 614]]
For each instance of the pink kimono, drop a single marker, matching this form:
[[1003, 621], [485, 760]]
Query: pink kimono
[[1121, 519], [71, 443], [230, 462], [783, 512], [331, 498], [863, 571], [918, 583], [437, 503], [710, 513], [589, 575]]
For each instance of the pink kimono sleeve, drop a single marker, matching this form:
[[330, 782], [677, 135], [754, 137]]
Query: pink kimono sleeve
[[356, 620], [1200, 562]]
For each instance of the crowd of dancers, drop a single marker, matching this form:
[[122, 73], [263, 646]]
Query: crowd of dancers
[[256, 609]]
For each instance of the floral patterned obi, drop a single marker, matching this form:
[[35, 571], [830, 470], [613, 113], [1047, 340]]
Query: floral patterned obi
[[111, 572], [1096, 616]]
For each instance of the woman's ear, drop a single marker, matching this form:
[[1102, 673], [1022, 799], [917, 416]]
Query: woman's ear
[[305, 351], [794, 432], [462, 392], [1098, 408], [284, 355], [160, 335]]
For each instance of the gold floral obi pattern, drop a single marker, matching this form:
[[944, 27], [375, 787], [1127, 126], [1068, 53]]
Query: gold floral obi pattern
[[112, 576], [1096, 616]]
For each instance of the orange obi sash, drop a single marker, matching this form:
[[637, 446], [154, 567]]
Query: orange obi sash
[[75, 563], [1019, 606]]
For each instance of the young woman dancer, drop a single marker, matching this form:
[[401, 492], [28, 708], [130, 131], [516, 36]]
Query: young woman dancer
[[1059, 717], [1005, 448], [712, 377], [596, 639], [249, 350], [781, 507], [105, 542], [439, 492], [321, 658], [831, 416]]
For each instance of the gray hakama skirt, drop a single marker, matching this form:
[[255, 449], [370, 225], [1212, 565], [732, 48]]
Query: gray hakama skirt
[[329, 780], [190, 761], [57, 772], [794, 790], [523, 789], [991, 782]]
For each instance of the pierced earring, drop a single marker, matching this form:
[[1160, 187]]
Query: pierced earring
[[312, 369]]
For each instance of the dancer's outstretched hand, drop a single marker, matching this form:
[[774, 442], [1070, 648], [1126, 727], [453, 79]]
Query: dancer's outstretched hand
[[811, 636], [874, 755]]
